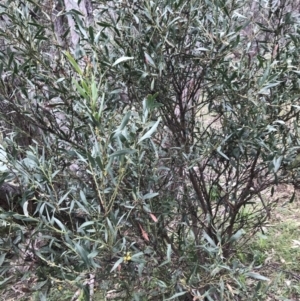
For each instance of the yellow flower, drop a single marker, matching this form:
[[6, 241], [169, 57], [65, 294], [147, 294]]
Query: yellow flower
[[127, 257]]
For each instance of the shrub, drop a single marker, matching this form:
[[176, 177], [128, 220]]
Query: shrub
[[149, 152]]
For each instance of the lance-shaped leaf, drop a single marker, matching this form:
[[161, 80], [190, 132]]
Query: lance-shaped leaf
[[150, 132], [117, 264], [73, 63], [121, 152], [122, 59]]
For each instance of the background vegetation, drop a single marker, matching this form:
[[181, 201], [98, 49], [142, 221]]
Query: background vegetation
[[143, 145]]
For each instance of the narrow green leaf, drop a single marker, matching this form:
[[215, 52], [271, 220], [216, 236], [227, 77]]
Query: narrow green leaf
[[73, 63], [5, 280], [221, 153], [85, 224], [257, 276], [149, 60], [2, 257], [277, 163], [81, 91], [169, 252], [91, 33], [117, 264], [164, 263], [150, 132], [97, 37], [266, 88], [111, 228], [150, 195], [85, 87], [202, 49], [39, 285], [81, 157], [93, 254], [54, 174], [99, 162], [104, 24], [124, 122], [123, 59], [91, 160], [176, 295], [237, 235], [122, 152], [63, 197], [25, 208], [82, 253], [94, 91], [59, 223], [135, 257], [210, 241]]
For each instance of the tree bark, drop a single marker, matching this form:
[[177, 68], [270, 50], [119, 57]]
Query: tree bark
[[85, 7]]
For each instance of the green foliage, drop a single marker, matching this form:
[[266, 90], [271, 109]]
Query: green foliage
[[161, 133]]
